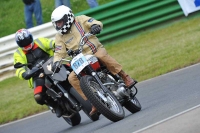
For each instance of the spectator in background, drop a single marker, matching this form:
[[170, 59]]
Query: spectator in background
[[91, 3], [32, 7], [62, 2]]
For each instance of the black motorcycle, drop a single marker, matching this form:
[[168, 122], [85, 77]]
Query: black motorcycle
[[60, 90]]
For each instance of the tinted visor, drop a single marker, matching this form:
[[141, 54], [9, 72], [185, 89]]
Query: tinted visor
[[25, 42]]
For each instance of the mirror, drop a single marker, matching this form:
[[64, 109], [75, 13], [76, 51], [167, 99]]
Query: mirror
[[18, 65]]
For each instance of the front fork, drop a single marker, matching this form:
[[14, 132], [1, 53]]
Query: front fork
[[94, 74]]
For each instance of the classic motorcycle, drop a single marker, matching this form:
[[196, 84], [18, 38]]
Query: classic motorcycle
[[60, 90], [107, 92]]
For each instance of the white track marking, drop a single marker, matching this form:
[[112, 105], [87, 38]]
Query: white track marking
[[164, 120]]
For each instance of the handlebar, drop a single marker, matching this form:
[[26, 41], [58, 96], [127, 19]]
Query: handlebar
[[82, 42], [19, 65], [85, 35], [40, 64]]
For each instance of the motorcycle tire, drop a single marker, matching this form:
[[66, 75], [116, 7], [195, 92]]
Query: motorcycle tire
[[88, 84], [133, 105], [74, 120]]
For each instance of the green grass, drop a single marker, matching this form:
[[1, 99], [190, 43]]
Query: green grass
[[157, 52], [17, 100], [12, 13]]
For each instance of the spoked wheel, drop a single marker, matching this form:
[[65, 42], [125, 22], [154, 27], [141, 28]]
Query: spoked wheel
[[133, 105], [106, 104]]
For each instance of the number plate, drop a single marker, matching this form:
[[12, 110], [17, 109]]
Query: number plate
[[78, 63]]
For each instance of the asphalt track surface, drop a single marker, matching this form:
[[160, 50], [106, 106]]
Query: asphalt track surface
[[170, 104]]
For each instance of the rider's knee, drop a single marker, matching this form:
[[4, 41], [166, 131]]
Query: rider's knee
[[39, 99], [72, 78]]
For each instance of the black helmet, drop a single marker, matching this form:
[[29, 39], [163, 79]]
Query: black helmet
[[24, 39]]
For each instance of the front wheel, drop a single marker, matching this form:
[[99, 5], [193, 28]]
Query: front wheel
[[106, 104]]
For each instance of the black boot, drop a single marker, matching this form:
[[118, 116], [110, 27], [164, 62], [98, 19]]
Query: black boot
[[93, 111]]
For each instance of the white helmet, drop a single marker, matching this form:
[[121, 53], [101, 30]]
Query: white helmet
[[62, 19]]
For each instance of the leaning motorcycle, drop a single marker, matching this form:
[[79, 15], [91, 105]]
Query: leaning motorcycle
[[107, 92], [60, 90]]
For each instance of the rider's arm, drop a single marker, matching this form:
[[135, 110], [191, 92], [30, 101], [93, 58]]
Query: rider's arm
[[60, 49], [89, 21], [19, 59], [46, 44]]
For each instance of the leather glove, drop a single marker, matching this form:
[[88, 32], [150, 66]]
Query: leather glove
[[30, 73], [27, 75], [56, 67], [95, 29]]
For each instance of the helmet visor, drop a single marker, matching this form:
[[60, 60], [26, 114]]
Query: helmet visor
[[25, 42], [59, 24]]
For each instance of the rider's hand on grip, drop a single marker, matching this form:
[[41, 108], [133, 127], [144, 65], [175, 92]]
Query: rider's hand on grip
[[56, 67], [70, 52], [95, 29], [30, 73], [76, 52], [27, 75]]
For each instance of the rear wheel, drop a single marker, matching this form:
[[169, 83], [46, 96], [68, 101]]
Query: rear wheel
[[74, 120], [133, 105], [106, 104]]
